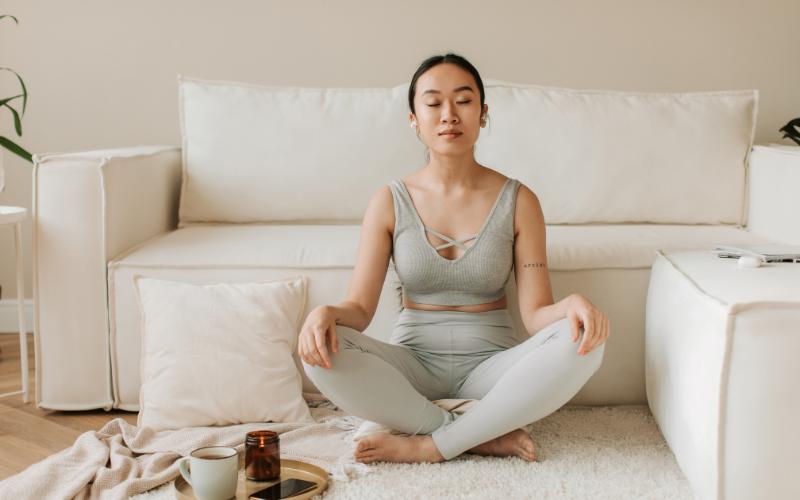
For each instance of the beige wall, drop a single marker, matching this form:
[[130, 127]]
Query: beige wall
[[103, 74]]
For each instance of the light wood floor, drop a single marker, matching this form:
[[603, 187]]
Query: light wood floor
[[28, 434]]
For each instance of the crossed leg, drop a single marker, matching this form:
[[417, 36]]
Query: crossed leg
[[388, 384], [382, 382], [518, 386]]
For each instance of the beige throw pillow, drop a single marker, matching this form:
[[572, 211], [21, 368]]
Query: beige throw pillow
[[220, 354]]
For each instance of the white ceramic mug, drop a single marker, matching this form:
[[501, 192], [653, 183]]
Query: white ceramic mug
[[212, 471]]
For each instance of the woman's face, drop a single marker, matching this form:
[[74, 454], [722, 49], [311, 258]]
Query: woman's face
[[447, 98]]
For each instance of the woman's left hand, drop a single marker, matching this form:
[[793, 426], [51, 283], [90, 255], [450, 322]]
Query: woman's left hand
[[582, 313]]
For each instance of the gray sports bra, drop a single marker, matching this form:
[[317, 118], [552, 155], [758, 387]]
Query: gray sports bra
[[478, 276]]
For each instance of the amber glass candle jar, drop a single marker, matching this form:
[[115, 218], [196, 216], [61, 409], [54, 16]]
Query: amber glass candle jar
[[262, 456]]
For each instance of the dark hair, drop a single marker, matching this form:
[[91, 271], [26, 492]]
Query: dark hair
[[436, 60]]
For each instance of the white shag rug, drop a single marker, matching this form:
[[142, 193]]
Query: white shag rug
[[606, 452]]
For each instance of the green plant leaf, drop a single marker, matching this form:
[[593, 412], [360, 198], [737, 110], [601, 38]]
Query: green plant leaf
[[17, 121], [9, 99], [24, 89], [16, 149]]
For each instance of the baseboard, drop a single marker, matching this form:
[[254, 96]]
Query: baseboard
[[8, 316]]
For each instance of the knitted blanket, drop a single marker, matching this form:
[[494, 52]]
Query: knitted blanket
[[122, 459]]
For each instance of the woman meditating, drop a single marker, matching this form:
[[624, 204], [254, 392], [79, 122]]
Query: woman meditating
[[455, 230]]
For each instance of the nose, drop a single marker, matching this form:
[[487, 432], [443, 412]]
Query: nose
[[447, 114]]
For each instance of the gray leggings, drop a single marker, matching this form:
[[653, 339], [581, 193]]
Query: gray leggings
[[455, 354]]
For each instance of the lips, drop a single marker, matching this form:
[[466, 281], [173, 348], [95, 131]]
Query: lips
[[451, 133]]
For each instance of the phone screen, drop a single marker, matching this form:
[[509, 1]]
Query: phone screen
[[284, 489]]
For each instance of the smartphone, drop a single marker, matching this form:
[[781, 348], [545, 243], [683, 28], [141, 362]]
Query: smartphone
[[285, 489]]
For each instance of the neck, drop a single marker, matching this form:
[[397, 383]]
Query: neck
[[447, 172]]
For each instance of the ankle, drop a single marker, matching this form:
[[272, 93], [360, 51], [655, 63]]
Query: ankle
[[429, 445]]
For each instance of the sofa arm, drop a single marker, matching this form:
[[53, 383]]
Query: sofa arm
[[774, 181], [87, 208]]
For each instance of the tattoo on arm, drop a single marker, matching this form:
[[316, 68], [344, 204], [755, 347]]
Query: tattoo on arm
[[533, 264]]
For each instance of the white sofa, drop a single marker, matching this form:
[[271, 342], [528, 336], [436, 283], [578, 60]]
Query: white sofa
[[721, 347], [272, 182]]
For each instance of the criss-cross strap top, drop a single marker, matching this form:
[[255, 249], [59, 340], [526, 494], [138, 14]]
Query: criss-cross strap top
[[478, 276], [450, 241]]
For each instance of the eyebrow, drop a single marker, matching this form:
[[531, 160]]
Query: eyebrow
[[434, 91]]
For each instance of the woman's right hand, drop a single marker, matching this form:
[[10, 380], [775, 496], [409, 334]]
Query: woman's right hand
[[320, 326]]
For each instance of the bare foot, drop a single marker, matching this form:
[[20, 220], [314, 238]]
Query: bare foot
[[515, 443], [385, 447]]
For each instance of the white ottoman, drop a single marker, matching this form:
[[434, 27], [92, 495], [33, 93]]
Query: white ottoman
[[722, 355]]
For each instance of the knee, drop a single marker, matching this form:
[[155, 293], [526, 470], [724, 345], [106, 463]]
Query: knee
[[347, 340], [590, 362], [321, 375]]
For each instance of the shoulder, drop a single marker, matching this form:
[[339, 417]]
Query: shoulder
[[527, 208], [380, 209], [526, 198], [494, 177]]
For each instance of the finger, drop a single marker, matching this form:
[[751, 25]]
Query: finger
[[311, 351], [302, 345], [594, 318], [597, 324], [575, 326], [597, 337], [334, 339], [588, 332], [303, 351], [308, 352], [322, 349], [314, 355]]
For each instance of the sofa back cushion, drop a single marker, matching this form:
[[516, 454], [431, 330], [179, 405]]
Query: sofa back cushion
[[608, 156], [259, 154], [284, 154]]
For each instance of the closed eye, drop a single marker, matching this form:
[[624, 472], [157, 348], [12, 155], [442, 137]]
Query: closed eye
[[462, 102]]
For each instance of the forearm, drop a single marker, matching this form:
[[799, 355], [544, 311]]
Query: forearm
[[536, 319], [350, 314]]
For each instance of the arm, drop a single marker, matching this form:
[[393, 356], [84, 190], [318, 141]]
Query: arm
[[773, 204], [364, 291], [536, 304], [535, 293], [374, 251], [89, 207]]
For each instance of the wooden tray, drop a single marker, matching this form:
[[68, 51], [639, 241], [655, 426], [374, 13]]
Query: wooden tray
[[289, 469]]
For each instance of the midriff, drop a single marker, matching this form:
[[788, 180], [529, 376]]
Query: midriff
[[501, 303]]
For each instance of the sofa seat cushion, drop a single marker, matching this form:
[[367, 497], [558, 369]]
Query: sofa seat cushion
[[243, 245], [608, 263], [631, 246], [569, 247]]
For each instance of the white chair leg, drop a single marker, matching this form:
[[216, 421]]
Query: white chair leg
[[23, 341]]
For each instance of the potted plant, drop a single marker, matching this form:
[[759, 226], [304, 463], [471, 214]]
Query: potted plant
[[792, 130], [5, 102]]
